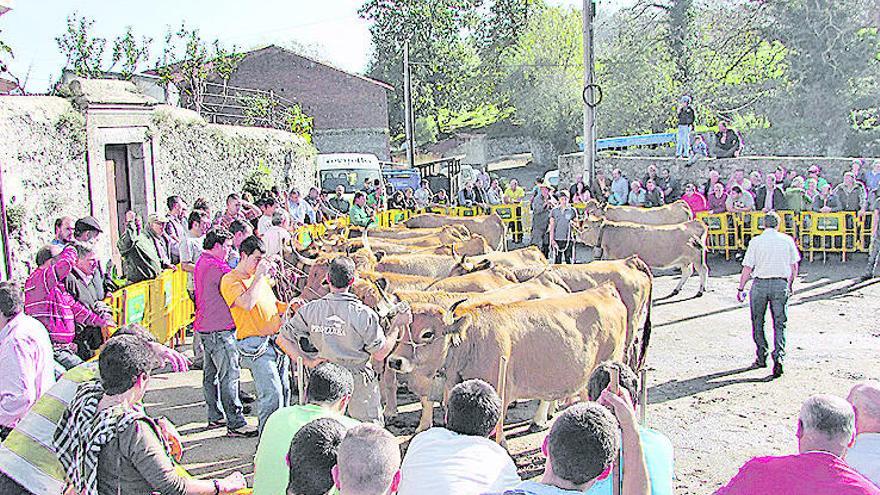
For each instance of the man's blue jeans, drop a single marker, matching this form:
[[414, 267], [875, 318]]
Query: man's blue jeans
[[683, 142], [774, 293], [271, 372], [222, 377]]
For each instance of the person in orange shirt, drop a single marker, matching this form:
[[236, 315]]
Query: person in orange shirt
[[257, 315]]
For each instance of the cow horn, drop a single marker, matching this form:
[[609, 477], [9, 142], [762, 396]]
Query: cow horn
[[366, 241], [449, 317], [304, 260]]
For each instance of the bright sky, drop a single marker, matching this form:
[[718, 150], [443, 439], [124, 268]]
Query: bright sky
[[331, 27]]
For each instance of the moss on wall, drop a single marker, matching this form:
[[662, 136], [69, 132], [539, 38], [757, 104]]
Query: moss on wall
[[200, 159], [45, 173], [44, 170]]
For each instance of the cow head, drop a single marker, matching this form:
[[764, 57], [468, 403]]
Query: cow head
[[425, 343], [592, 207], [466, 266], [316, 282], [589, 230]]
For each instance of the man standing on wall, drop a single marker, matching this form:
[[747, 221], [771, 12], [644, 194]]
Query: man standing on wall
[[686, 120]]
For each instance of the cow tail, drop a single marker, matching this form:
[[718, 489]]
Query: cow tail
[[697, 242], [646, 330]]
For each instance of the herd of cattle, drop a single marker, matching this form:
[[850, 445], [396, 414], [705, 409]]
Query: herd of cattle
[[458, 302]]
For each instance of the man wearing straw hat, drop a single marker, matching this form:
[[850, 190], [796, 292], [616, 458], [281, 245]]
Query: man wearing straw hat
[[339, 328]]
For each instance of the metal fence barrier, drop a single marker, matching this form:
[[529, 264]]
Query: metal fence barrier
[[841, 233]]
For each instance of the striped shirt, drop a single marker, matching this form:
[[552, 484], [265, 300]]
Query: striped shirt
[[28, 455], [47, 300]]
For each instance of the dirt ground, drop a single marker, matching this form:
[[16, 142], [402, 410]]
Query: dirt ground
[[702, 395]]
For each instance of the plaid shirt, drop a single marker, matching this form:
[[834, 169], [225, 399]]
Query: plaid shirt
[[47, 300]]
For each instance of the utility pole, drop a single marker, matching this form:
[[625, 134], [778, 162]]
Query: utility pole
[[589, 96], [408, 108]]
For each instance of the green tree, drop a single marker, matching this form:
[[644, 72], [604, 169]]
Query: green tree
[[130, 53], [83, 51], [191, 62], [832, 59], [543, 77], [85, 54], [442, 57]]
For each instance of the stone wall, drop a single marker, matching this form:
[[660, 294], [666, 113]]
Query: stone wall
[[210, 160], [46, 173], [42, 154], [636, 167]]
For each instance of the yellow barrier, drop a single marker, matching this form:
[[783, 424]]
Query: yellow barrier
[[511, 216], [723, 233], [390, 218], [161, 305], [864, 232], [828, 233]]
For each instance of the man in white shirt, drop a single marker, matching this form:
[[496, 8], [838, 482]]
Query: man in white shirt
[[299, 210], [460, 459], [864, 455], [267, 206], [277, 237], [772, 261], [26, 366]]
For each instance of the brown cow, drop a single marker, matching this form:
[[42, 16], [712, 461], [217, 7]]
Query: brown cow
[[444, 233], [474, 246], [489, 226], [659, 246], [372, 287], [440, 266], [529, 256], [673, 213], [552, 344], [478, 281], [526, 291], [634, 283]]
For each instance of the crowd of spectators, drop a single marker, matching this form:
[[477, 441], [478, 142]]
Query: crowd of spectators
[[809, 190], [103, 441], [100, 439]]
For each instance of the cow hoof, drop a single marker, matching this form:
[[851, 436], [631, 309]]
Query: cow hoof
[[675, 292], [699, 294], [535, 428]]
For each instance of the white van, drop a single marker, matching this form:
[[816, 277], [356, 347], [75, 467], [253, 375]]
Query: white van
[[348, 170]]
